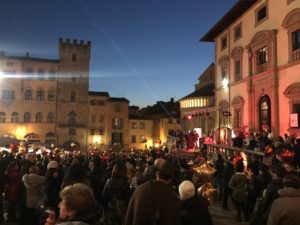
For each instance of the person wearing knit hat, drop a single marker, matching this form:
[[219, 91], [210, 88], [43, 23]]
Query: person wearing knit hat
[[52, 164], [186, 190], [194, 208]]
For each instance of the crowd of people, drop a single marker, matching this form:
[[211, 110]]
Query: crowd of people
[[266, 190], [150, 186], [137, 187]]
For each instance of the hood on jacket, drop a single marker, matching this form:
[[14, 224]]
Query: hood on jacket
[[289, 192], [32, 180]]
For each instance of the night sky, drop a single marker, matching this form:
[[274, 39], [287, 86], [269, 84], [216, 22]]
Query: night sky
[[143, 50]]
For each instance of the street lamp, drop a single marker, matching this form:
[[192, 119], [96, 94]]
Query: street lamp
[[225, 82]]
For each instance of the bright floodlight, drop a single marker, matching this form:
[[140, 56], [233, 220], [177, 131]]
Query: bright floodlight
[[225, 82]]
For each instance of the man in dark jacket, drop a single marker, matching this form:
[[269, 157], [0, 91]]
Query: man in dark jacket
[[154, 202], [226, 174], [194, 210], [285, 210]]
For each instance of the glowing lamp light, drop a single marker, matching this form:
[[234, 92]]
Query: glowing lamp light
[[156, 145], [222, 135], [225, 82], [97, 139], [20, 132], [189, 117]]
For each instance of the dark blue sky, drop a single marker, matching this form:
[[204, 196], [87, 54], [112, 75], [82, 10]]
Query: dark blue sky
[[144, 50]]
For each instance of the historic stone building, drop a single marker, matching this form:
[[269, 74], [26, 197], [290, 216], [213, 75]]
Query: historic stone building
[[45, 100], [257, 55], [197, 109], [140, 132]]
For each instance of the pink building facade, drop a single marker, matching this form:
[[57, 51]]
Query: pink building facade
[[257, 55]]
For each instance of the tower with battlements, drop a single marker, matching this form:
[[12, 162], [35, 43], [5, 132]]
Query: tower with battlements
[[72, 86]]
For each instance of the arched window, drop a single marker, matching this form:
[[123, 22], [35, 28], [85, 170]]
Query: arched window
[[29, 73], [72, 131], [40, 95], [265, 113], [2, 117], [51, 96], [223, 67], [238, 111], [73, 96], [72, 121], [72, 113], [237, 57], [260, 51], [28, 94], [15, 117], [39, 117], [50, 117], [51, 74], [292, 24], [41, 74], [27, 117]]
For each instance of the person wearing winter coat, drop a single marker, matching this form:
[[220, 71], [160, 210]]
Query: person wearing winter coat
[[12, 190], [116, 195], [33, 184], [238, 184], [285, 210], [194, 209]]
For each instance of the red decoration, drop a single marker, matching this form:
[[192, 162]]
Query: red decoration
[[268, 151], [237, 159], [286, 154]]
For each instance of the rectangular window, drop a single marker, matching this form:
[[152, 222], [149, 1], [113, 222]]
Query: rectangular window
[[261, 13], [117, 123], [100, 130], [8, 94], [237, 32], [133, 125], [72, 131], [133, 139], [224, 72], [237, 118], [117, 107], [237, 70], [74, 58], [142, 125], [93, 102], [101, 119], [261, 56], [92, 131], [101, 102], [142, 138], [223, 43], [93, 118], [296, 40]]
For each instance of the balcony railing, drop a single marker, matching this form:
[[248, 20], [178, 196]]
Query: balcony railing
[[224, 150], [296, 55], [261, 68]]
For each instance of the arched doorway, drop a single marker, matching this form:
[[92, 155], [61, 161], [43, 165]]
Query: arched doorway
[[265, 113], [50, 138]]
